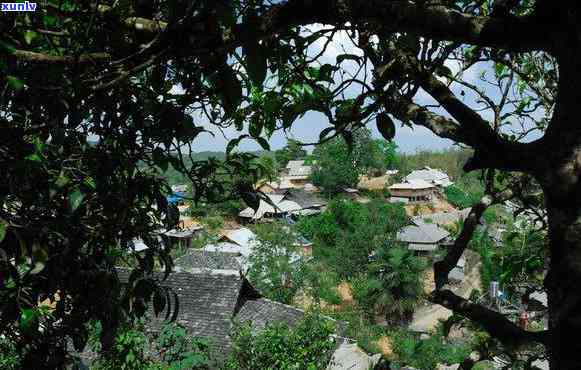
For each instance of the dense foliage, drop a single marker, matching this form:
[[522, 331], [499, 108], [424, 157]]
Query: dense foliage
[[347, 233], [173, 348], [308, 345], [292, 151], [428, 353], [395, 284], [276, 267], [518, 263], [339, 164]]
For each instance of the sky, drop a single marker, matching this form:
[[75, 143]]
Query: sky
[[308, 128]]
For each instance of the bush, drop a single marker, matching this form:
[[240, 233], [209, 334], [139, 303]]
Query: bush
[[276, 269], [458, 198], [347, 232], [180, 351], [427, 353], [9, 356], [306, 346]]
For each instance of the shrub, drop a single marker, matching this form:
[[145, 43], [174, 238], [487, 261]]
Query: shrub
[[180, 351], [9, 356], [306, 346], [276, 269], [427, 353], [347, 232]]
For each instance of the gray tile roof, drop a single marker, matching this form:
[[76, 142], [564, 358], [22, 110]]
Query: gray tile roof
[[206, 304], [198, 259], [422, 232], [262, 311], [305, 199]]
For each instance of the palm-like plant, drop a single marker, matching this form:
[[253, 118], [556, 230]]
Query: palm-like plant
[[396, 286]]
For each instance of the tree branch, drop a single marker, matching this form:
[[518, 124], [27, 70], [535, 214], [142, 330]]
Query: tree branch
[[438, 22], [442, 268], [33, 57], [493, 322]]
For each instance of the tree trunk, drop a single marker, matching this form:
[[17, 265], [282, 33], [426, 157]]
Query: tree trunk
[[561, 182]]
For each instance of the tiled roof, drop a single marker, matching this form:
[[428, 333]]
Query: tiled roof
[[262, 311], [206, 303], [422, 232], [197, 259], [304, 199]]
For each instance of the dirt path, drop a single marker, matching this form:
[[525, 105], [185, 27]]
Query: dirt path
[[427, 317]]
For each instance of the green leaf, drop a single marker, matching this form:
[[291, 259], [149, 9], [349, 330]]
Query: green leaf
[[7, 48], [385, 126], [3, 228], [75, 199], [233, 143], [263, 143], [160, 159], [33, 157], [326, 73], [29, 36], [15, 83], [231, 90], [28, 319], [62, 180], [255, 58], [90, 183]]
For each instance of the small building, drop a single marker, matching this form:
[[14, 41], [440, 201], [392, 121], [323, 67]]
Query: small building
[[297, 174], [413, 191], [430, 175], [290, 202], [276, 207], [422, 238], [211, 300]]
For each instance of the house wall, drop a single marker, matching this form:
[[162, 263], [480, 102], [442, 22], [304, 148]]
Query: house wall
[[420, 195]]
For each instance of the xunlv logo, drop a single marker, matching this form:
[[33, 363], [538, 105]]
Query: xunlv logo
[[18, 7]]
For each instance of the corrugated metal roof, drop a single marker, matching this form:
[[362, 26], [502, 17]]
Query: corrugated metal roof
[[431, 175], [295, 164], [282, 206], [414, 184], [300, 171]]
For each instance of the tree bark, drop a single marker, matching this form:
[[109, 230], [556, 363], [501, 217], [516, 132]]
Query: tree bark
[[561, 181]]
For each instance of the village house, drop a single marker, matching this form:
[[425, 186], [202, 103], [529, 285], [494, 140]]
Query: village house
[[422, 238], [240, 242], [430, 175], [295, 202], [212, 295], [413, 191]]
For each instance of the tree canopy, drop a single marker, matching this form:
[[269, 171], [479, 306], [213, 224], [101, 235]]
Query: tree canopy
[[93, 90]]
